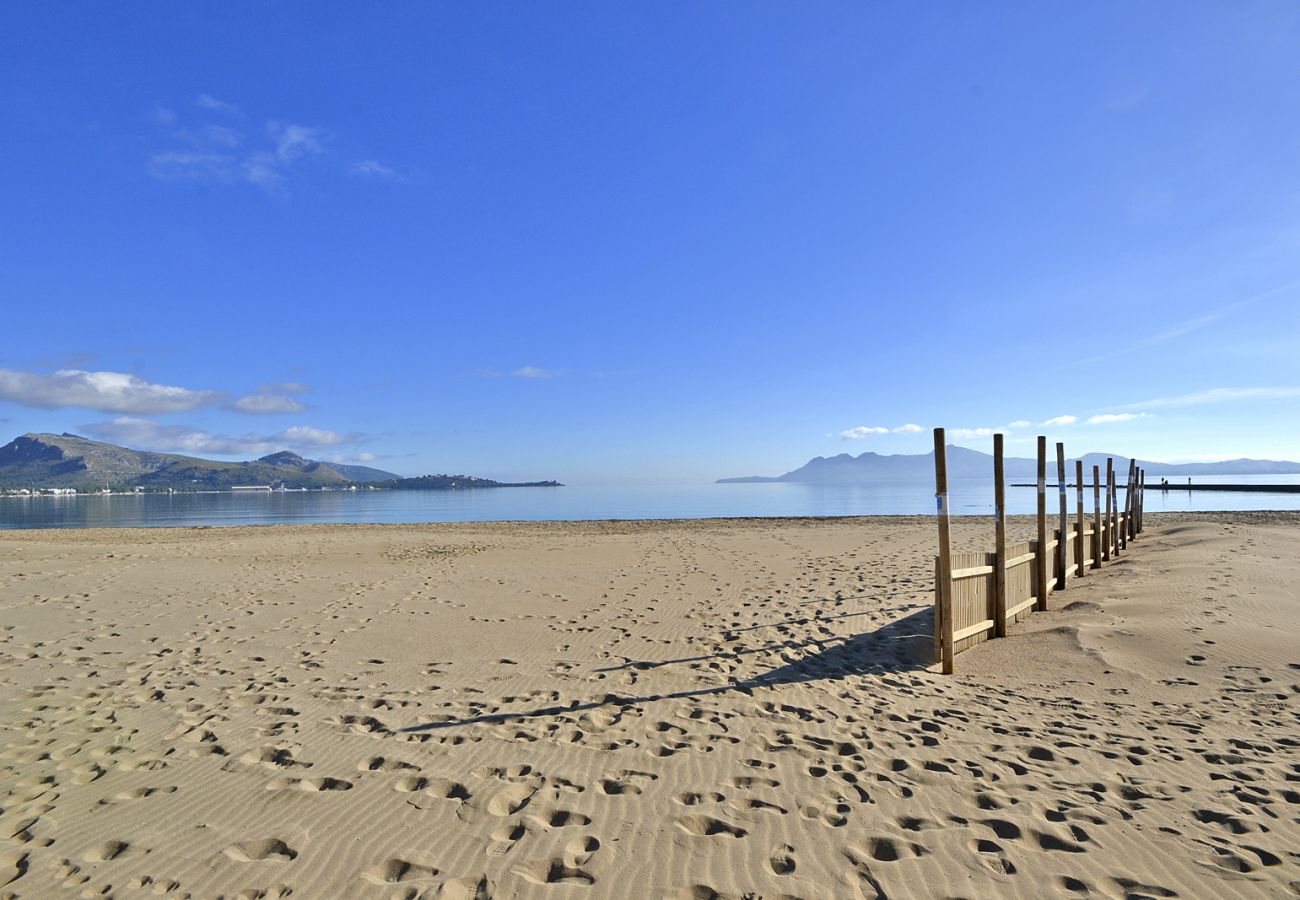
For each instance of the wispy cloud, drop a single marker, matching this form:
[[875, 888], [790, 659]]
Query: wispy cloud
[[864, 431], [146, 434], [967, 433], [1196, 323], [1112, 418], [268, 404], [209, 102], [1217, 395], [535, 372], [117, 392], [374, 169], [215, 152], [1060, 421]]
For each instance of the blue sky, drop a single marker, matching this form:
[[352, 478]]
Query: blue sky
[[651, 242]]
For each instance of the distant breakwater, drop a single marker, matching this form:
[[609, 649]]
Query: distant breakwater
[[1228, 488]]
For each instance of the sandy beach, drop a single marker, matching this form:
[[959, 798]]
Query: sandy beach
[[726, 708]]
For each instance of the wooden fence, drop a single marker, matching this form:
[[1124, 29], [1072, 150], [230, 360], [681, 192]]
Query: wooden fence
[[977, 594]]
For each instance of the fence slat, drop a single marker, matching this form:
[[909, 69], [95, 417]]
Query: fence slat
[[945, 549], [1080, 550], [1041, 591], [1063, 540], [1000, 540], [1112, 545], [1096, 517]]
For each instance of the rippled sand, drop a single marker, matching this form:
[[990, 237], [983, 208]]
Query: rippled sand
[[683, 709]]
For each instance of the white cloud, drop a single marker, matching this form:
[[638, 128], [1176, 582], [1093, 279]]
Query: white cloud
[[220, 136], [145, 434], [284, 387], [373, 168], [216, 152], [117, 392], [295, 141], [171, 165], [862, 431], [1020, 423], [1217, 395], [345, 458], [1058, 421], [268, 404], [972, 432], [534, 372], [263, 170], [1110, 418], [209, 102], [305, 435]]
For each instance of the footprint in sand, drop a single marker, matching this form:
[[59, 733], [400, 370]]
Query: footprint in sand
[[269, 848], [505, 838], [510, 800], [554, 871], [105, 851], [708, 826], [781, 860], [309, 785], [629, 782], [397, 871]]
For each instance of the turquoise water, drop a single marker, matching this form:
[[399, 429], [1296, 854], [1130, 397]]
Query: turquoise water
[[970, 497]]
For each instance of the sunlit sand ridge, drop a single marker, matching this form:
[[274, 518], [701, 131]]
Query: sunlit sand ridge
[[724, 708]]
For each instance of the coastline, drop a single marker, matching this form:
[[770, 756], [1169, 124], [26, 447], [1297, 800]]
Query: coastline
[[512, 709]]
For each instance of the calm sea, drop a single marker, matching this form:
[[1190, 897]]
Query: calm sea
[[579, 502]]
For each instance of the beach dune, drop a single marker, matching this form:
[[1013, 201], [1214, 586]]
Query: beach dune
[[640, 709]]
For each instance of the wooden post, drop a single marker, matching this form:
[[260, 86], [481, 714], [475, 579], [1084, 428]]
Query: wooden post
[[1128, 495], [1132, 500], [1000, 539], [1137, 520], [1112, 539], [1063, 540], [1142, 496], [1080, 539], [945, 549], [1096, 517], [1041, 561]]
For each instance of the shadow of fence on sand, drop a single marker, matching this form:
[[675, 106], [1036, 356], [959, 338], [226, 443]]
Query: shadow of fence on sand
[[904, 645]]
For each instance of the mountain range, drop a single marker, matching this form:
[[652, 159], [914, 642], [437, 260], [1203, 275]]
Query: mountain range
[[966, 463], [70, 461]]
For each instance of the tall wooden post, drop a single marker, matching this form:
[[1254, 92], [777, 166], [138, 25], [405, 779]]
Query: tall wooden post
[[1000, 541], [944, 587], [1142, 497], [1080, 539], [1112, 539], [1123, 513], [1063, 539], [1040, 562], [1132, 499], [1096, 517]]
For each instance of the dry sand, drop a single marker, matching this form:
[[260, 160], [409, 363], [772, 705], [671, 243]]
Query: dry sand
[[725, 708]]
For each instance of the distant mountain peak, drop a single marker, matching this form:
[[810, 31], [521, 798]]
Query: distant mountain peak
[[69, 460], [285, 458], [964, 462]]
